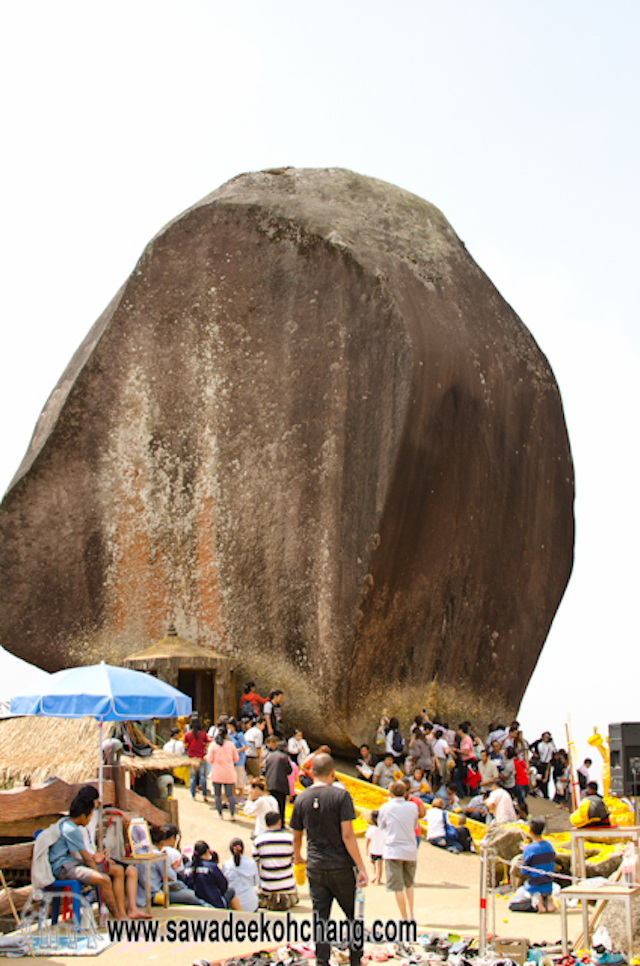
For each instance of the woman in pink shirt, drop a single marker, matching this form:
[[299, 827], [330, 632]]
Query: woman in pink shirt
[[222, 755]]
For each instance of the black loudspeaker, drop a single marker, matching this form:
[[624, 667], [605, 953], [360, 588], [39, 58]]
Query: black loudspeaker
[[624, 749]]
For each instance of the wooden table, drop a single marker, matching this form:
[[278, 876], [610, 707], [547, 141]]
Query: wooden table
[[584, 892], [149, 860]]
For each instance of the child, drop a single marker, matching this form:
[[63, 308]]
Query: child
[[207, 880], [242, 874], [464, 835], [374, 846], [260, 804], [164, 840], [419, 785]]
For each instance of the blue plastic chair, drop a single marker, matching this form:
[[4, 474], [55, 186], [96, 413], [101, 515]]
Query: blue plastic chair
[[74, 888]]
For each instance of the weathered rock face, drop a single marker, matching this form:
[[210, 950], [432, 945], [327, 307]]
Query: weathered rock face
[[310, 430]]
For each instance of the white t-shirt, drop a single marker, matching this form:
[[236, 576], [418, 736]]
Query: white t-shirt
[[254, 738], [398, 818], [299, 748], [546, 751], [440, 748], [504, 810], [435, 823], [259, 809], [174, 746], [377, 837]]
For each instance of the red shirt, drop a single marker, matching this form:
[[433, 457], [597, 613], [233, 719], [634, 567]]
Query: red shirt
[[195, 744], [254, 700], [521, 772]]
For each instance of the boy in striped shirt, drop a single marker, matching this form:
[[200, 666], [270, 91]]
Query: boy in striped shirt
[[273, 851]]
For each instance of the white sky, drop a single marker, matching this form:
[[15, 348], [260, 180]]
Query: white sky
[[518, 120]]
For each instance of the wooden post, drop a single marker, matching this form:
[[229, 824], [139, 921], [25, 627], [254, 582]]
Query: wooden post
[[571, 751]]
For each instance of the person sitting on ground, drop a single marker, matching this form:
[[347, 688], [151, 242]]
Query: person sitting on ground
[[440, 831], [297, 747], [464, 835], [420, 785], [449, 796], [260, 803], [538, 862], [124, 878], [384, 771], [69, 857], [365, 763], [277, 769], [207, 881], [273, 851], [500, 804], [306, 772], [374, 845], [164, 840], [241, 873], [476, 808], [592, 811]]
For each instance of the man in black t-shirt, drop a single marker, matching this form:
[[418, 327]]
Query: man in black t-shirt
[[334, 864]]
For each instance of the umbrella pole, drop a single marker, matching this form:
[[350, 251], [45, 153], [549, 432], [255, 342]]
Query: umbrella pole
[[100, 786]]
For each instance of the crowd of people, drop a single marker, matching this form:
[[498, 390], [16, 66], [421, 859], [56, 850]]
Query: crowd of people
[[248, 761], [441, 761]]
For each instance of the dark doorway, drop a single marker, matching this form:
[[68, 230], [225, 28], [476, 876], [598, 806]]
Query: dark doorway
[[199, 685]]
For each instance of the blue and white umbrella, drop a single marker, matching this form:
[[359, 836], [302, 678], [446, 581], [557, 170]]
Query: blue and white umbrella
[[104, 692]]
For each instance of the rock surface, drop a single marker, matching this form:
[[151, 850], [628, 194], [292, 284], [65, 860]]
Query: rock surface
[[310, 431]]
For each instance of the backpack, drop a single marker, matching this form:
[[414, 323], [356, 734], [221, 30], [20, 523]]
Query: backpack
[[246, 710], [397, 743]]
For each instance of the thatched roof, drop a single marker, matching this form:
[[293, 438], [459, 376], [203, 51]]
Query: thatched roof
[[174, 649], [38, 748]]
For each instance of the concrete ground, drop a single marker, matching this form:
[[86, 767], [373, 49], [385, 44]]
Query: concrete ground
[[446, 897]]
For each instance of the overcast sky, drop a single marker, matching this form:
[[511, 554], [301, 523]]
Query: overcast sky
[[518, 120]]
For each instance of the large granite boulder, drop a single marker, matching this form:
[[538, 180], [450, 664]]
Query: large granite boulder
[[310, 431]]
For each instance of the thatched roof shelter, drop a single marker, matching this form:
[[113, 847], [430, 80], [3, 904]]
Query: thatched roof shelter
[[37, 748]]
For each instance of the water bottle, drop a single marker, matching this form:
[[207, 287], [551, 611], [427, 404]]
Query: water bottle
[[103, 916], [359, 904], [629, 864]]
